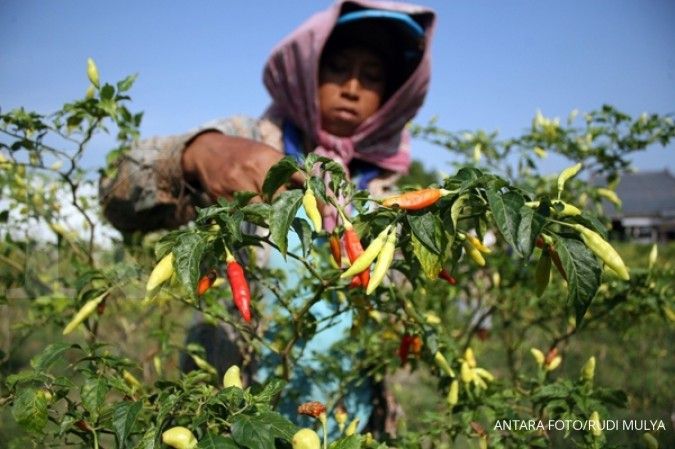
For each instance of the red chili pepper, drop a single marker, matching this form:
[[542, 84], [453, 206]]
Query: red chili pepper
[[419, 199], [100, 308], [206, 281], [356, 282], [239, 285], [335, 248], [550, 355], [555, 258], [404, 348], [354, 250], [447, 277]]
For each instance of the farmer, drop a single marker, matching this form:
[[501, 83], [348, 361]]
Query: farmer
[[343, 85]]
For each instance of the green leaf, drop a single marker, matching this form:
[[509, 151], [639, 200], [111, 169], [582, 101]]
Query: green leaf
[[242, 198], [542, 275], [350, 442], [530, 226], [428, 229], [318, 187], [30, 410], [304, 231], [270, 391], [457, 208], [278, 426], [278, 175], [583, 274], [213, 441], [551, 391], [149, 440], [232, 224], [430, 262], [93, 394], [283, 213], [505, 210], [49, 355], [250, 431], [126, 83], [188, 253], [107, 92], [124, 418], [25, 376], [257, 213]]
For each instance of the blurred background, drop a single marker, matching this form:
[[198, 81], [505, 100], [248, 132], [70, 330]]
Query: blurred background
[[494, 63]]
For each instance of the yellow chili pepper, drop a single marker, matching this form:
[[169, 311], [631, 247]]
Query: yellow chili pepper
[[588, 370], [366, 258], [596, 429], [443, 364], [309, 203], [569, 210], [475, 255], [92, 72], [466, 373], [87, 309], [131, 380], [179, 438], [384, 261], [161, 273], [603, 250], [232, 377], [653, 254], [539, 356], [453, 394], [341, 418], [351, 428], [476, 243], [306, 439], [566, 174], [610, 195]]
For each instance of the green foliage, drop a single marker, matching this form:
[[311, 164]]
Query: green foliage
[[116, 383]]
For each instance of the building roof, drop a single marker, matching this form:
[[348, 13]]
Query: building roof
[[645, 194]]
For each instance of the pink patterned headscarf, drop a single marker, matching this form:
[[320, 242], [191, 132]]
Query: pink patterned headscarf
[[291, 77]]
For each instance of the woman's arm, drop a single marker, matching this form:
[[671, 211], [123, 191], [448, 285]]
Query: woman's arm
[[159, 182]]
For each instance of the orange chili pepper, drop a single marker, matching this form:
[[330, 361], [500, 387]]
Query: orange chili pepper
[[354, 250], [418, 199], [206, 281]]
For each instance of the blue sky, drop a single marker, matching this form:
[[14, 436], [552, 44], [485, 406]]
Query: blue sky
[[494, 62]]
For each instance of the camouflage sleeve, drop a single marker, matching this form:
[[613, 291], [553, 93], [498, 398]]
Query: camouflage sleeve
[[147, 190]]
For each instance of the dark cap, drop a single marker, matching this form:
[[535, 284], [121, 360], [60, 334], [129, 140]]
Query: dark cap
[[407, 36], [393, 35]]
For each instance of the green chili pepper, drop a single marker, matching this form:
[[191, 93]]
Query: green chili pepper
[[384, 261], [364, 260]]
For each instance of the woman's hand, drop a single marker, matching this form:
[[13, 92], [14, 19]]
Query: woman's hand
[[224, 164]]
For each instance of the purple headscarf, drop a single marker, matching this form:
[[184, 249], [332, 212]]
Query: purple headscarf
[[291, 77]]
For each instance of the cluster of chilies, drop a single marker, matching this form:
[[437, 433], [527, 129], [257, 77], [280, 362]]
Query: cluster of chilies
[[241, 293], [383, 246]]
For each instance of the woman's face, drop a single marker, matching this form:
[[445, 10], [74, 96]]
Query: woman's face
[[352, 83]]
